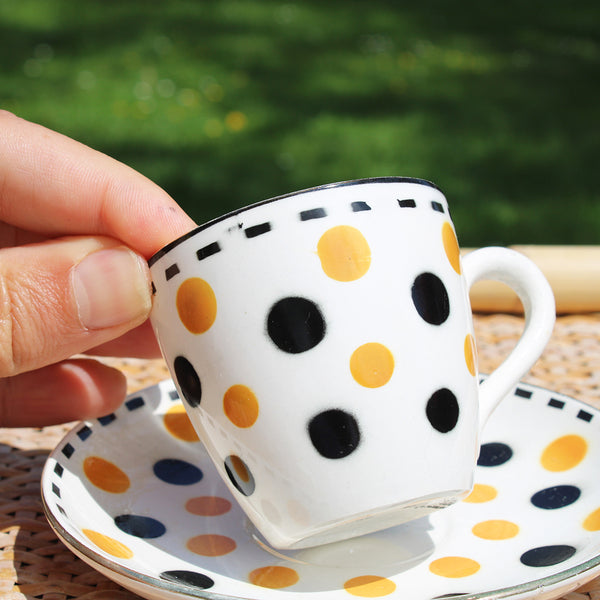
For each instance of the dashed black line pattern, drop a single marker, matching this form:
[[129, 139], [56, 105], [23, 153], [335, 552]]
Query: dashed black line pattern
[[306, 215]]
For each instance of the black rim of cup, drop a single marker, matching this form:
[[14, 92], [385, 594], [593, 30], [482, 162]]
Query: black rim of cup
[[166, 249]]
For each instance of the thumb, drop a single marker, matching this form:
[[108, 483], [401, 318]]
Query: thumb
[[62, 297]]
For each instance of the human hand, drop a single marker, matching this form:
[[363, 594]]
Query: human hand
[[76, 228]]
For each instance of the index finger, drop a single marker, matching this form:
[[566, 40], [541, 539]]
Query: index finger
[[55, 186]]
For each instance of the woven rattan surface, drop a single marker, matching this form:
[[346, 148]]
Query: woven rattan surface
[[35, 564]]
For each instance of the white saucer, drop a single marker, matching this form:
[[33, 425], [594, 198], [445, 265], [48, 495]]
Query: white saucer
[[137, 500]]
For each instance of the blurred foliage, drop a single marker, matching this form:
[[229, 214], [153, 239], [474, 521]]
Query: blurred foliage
[[227, 102]]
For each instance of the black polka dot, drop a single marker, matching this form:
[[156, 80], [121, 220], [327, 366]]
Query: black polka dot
[[334, 433], [431, 298], [557, 496], [191, 578], [240, 475], [546, 556], [494, 454], [188, 381], [295, 324], [140, 526], [442, 410]]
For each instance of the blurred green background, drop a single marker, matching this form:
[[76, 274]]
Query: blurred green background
[[227, 102]]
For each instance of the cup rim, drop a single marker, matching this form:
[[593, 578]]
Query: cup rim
[[385, 179]]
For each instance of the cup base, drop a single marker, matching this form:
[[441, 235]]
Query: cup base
[[368, 522], [398, 548]]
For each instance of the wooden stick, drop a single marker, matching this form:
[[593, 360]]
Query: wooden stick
[[572, 271]]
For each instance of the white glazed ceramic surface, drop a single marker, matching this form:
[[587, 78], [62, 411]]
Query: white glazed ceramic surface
[[323, 345], [135, 496]]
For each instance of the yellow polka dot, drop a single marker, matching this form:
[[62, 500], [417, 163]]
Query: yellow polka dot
[[240, 406], [179, 425], [105, 475], [451, 246], [240, 468], [496, 530], [454, 567], [471, 354], [211, 545], [108, 544], [370, 586], [372, 365], [481, 493], [269, 510], [299, 512], [564, 453], [592, 521], [275, 577], [196, 305], [344, 252], [208, 506]]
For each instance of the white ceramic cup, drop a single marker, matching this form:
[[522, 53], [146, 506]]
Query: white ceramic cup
[[322, 343]]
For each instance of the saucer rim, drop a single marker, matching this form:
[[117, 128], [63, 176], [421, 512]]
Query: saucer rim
[[584, 571]]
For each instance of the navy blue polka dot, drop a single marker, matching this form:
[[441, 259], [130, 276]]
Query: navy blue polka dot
[[177, 472], [494, 454], [556, 496], [191, 578], [546, 556], [140, 526]]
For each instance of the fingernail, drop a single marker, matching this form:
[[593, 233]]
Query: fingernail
[[111, 287]]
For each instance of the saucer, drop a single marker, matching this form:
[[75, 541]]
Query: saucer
[[135, 495]]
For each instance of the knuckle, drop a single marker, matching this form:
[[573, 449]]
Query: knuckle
[[24, 325]]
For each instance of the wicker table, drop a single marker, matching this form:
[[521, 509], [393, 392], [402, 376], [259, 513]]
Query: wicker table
[[35, 564]]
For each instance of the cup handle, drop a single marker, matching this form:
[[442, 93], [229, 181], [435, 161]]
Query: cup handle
[[526, 279]]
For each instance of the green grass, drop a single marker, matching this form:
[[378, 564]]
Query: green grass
[[227, 102]]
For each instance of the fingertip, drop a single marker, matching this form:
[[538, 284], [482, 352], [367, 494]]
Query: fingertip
[[73, 390], [94, 388], [111, 287], [139, 342], [72, 188]]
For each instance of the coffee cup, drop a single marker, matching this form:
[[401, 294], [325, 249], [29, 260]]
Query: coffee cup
[[322, 343]]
